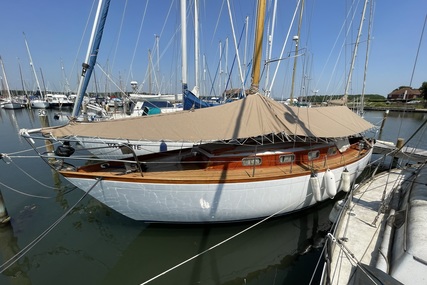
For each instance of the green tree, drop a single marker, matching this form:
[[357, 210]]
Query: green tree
[[423, 89]]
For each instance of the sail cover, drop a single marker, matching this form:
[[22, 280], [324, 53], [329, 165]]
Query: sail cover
[[255, 115]]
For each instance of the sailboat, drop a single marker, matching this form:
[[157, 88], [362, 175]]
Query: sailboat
[[38, 101], [11, 103], [249, 159]]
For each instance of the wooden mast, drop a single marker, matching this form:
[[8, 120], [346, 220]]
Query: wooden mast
[[259, 32]]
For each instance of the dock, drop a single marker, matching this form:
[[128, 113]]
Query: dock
[[361, 248]]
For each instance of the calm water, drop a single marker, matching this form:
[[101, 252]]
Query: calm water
[[95, 245]]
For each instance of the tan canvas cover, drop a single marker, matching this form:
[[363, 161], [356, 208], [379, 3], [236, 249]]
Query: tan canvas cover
[[252, 116]]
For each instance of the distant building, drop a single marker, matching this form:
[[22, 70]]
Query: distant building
[[404, 94]]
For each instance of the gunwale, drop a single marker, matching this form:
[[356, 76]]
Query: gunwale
[[167, 169]]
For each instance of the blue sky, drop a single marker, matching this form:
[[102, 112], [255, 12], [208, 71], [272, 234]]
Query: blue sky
[[57, 33]]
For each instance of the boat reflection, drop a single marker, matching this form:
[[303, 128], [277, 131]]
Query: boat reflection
[[266, 252], [8, 248]]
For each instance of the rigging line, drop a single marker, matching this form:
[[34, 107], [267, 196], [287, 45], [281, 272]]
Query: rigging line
[[232, 65], [83, 36], [418, 50], [318, 263], [283, 47], [112, 81], [30, 176], [217, 22], [137, 40], [412, 136], [25, 194], [216, 245], [27, 248], [351, 258], [342, 46], [25, 150], [119, 35]]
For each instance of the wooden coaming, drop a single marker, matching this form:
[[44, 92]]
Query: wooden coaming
[[224, 166]]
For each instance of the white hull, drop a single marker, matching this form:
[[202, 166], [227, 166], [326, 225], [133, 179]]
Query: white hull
[[12, 105], [59, 100], [157, 97], [211, 203], [39, 104]]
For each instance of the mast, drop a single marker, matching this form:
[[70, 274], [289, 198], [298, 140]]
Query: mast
[[270, 48], [236, 47], [22, 79], [184, 46], [296, 39], [5, 80], [32, 67], [196, 44], [149, 71], [92, 53], [362, 97], [245, 65], [256, 69], [356, 45]]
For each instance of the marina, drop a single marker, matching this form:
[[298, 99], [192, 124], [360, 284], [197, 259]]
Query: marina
[[173, 186], [106, 247]]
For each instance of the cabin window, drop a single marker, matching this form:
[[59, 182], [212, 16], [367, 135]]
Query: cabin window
[[251, 161], [313, 154], [332, 150], [287, 158]]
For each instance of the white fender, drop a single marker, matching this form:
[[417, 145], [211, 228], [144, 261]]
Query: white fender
[[345, 180], [330, 185], [315, 188]]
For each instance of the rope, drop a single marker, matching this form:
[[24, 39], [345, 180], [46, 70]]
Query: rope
[[351, 258], [30, 195], [27, 248], [29, 175], [215, 246]]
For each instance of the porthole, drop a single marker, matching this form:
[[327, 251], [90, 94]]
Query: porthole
[[251, 161]]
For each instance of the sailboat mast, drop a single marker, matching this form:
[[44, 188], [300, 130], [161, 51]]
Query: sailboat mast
[[32, 67], [356, 45], [291, 97], [5, 80], [22, 79], [149, 71], [196, 43], [184, 46], [256, 69], [89, 64], [368, 44]]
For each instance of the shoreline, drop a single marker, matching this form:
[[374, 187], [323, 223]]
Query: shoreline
[[396, 109]]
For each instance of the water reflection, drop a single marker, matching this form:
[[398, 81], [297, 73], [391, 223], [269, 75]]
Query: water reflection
[[268, 251], [8, 249]]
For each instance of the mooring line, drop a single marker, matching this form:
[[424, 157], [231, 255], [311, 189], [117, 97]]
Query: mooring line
[[25, 172], [28, 247], [215, 246], [25, 194]]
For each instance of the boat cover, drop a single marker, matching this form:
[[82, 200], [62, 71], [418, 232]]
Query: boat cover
[[255, 115]]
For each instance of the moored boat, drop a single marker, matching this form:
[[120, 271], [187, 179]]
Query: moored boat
[[262, 162], [59, 100], [220, 183]]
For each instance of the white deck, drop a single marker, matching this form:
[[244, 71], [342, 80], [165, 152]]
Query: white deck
[[360, 230]]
